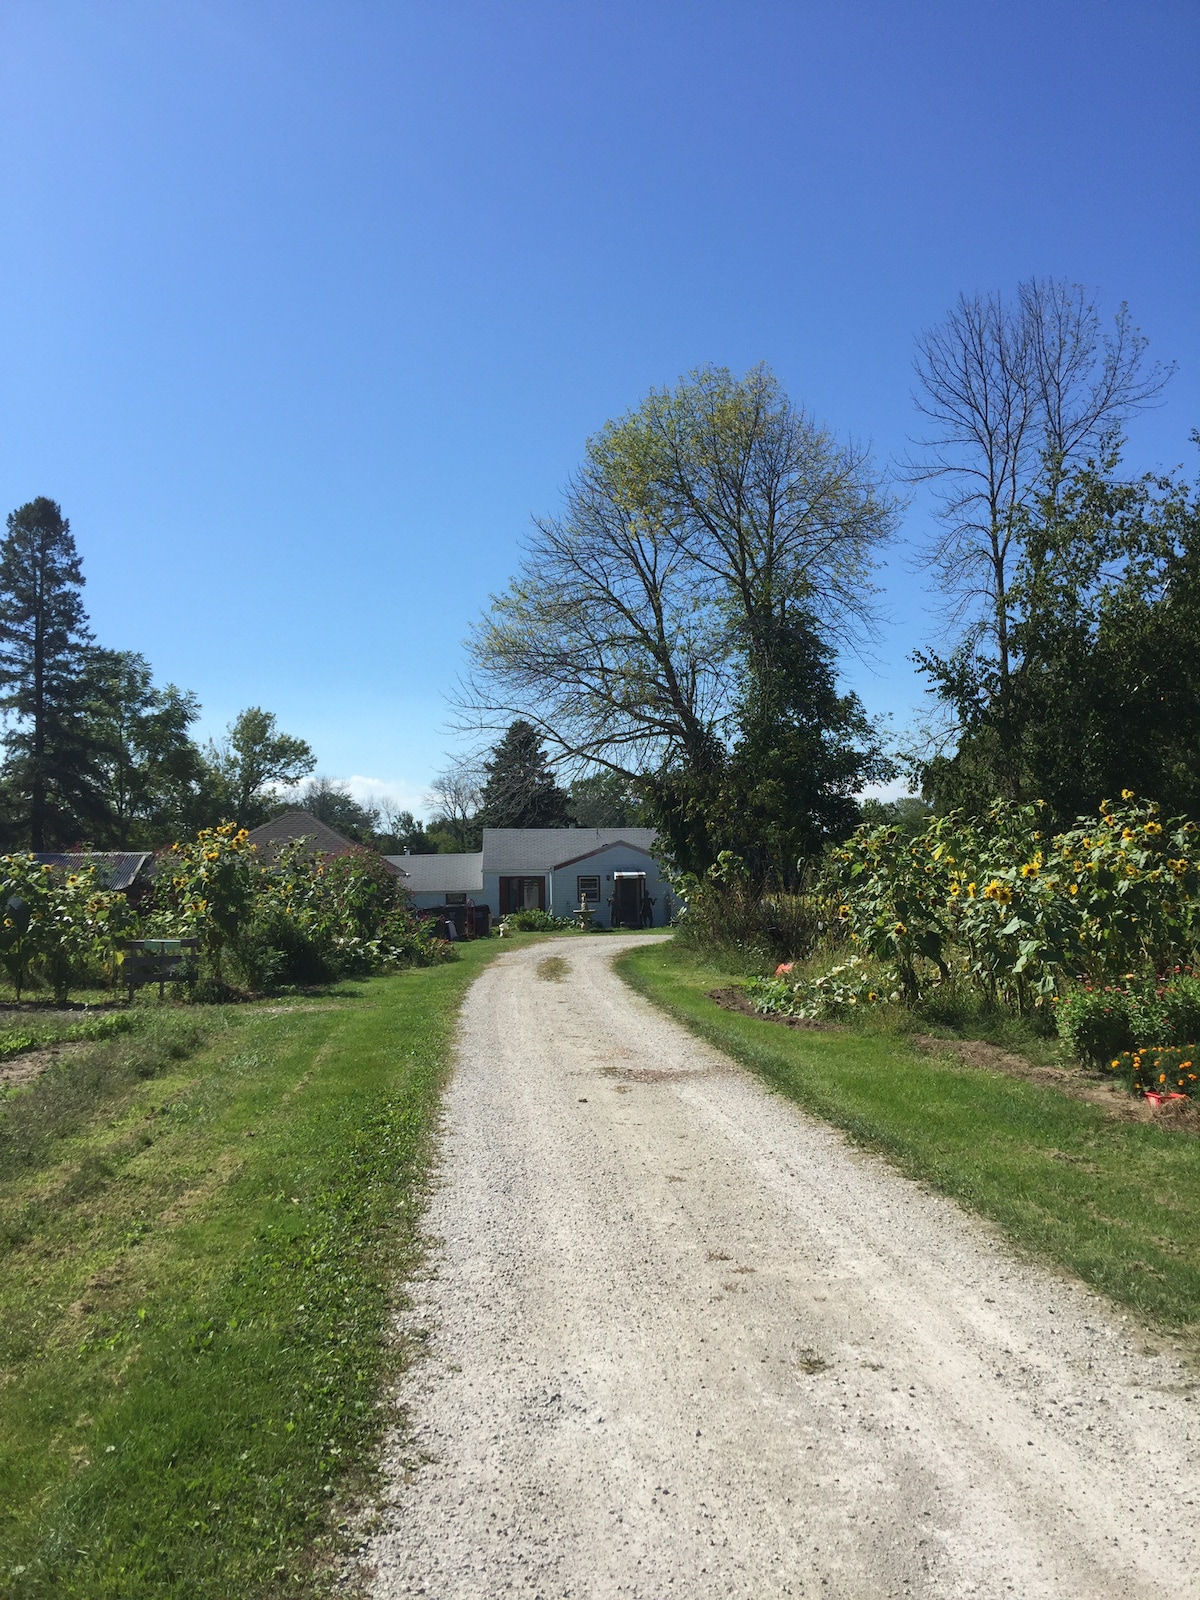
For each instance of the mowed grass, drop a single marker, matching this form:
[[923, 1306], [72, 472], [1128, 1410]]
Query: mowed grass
[[1117, 1203], [202, 1226]]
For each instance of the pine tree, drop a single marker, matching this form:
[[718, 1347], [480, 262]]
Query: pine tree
[[520, 791], [44, 678]]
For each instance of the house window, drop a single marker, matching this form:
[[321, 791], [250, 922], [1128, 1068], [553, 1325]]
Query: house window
[[456, 899], [588, 890]]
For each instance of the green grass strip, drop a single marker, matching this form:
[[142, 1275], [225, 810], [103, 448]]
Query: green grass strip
[[197, 1269], [1117, 1203]]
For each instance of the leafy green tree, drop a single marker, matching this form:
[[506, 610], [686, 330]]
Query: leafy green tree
[[154, 774], [334, 805], [710, 537], [520, 791], [1103, 691], [254, 757], [607, 800], [1018, 394], [44, 644]]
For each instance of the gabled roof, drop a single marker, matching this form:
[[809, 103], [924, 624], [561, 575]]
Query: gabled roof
[[293, 825], [517, 850], [448, 874], [115, 869], [617, 844]]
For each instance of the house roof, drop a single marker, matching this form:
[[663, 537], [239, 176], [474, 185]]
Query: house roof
[[616, 844], [115, 869], [293, 825], [516, 850], [449, 874]]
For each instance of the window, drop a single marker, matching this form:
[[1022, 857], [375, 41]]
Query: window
[[588, 890], [456, 899]]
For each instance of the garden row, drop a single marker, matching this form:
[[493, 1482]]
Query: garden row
[[295, 921], [1091, 932]]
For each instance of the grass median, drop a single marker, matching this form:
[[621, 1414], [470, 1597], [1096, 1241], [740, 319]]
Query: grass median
[[203, 1223], [1117, 1203]]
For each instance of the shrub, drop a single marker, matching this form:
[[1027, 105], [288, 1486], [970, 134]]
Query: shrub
[[1097, 1023], [726, 911], [1168, 1071], [533, 921]]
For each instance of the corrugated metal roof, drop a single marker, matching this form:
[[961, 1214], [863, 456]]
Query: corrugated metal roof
[[450, 874], [516, 850], [115, 869]]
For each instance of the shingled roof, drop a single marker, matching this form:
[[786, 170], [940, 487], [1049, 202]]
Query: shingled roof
[[321, 839]]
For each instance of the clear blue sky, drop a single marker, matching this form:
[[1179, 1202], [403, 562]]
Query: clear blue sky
[[307, 307]]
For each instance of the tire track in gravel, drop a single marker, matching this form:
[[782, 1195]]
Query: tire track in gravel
[[685, 1341]]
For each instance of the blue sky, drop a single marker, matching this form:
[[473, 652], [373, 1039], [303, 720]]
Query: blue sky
[[306, 308]]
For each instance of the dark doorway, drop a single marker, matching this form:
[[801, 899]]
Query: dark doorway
[[628, 899], [522, 894]]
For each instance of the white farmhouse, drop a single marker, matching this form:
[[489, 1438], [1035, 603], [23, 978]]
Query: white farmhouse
[[549, 869]]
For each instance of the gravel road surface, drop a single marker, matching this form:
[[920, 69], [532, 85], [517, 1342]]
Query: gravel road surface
[[686, 1342]]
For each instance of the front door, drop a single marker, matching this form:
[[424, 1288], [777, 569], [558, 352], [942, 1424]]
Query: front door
[[522, 894], [628, 888]]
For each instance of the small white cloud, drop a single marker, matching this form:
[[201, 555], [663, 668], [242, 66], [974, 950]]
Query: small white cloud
[[370, 791]]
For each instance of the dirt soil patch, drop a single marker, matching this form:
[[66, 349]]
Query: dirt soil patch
[[1079, 1085], [23, 1069]]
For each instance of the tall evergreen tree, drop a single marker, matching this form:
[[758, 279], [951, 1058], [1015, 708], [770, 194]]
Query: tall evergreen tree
[[520, 791], [44, 682]]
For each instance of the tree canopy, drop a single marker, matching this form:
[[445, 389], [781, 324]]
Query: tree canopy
[[714, 542], [520, 790]]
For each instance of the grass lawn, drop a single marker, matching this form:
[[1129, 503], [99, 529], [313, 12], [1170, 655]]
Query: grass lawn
[[1116, 1202], [202, 1223]]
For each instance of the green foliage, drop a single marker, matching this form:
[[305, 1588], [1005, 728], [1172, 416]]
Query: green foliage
[[726, 911], [334, 805], [534, 921], [155, 780], [55, 922], [1019, 909], [607, 800], [253, 757], [1168, 1072], [1100, 1022], [1096, 1023], [44, 642], [1102, 688], [677, 623], [850, 987]]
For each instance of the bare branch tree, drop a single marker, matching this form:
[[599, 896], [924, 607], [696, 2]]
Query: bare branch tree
[[455, 794], [694, 521], [1018, 394]]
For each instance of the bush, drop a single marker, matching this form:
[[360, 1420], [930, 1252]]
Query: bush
[[727, 912], [536, 922], [1169, 1071], [1097, 1023], [1020, 909]]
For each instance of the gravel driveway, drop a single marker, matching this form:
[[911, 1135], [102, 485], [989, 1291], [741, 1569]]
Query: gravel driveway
[[686, 1342]]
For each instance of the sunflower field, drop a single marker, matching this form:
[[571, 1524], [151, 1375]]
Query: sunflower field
[[1019, 911]]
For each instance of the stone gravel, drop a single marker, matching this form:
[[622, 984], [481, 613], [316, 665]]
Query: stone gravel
[[685, 1341]]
